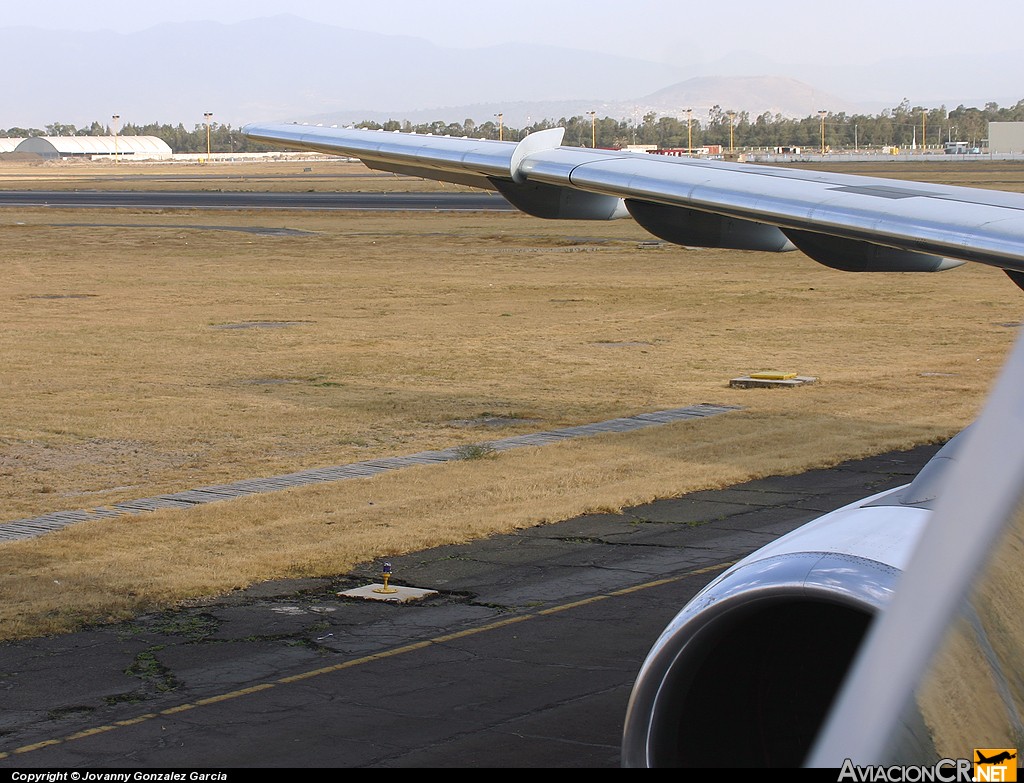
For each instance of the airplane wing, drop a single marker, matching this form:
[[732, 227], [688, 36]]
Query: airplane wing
[[848, 222], [814, 649]]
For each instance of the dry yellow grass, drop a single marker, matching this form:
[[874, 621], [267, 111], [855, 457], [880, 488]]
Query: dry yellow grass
[[142, 360]]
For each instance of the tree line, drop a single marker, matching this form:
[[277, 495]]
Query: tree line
[[223, 138], [901, 126]]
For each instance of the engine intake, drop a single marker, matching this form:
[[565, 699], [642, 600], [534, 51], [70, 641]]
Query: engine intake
[[745, 674]]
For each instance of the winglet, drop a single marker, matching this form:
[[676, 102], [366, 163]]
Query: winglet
[[535, 142]]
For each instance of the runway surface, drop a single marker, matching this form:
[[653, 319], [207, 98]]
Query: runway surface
[[195, 199], [523, 658]]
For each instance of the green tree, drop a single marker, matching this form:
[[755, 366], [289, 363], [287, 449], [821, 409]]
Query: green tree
[[60, 129]]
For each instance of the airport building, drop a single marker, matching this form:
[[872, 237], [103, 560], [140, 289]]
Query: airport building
[[94, 147], [9, 145], [1006, 137]]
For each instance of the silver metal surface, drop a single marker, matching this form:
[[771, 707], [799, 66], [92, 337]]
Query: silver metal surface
[[947, 221], [953, 222], [417, 154], [972, 695]]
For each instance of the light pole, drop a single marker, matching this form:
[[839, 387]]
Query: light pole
[[924, 138], [206, 116], [114, 120], [499, 115], [689, 132], [821, 114], [732, 124], [593, 129]]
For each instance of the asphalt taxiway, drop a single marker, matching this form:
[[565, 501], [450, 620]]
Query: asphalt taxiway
[[522, 656]]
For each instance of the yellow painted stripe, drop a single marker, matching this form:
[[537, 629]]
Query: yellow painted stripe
[[175, 710], [139, 719], [92, 731], [37, 746], [234, 694]]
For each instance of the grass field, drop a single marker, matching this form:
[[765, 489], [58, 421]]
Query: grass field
[[155, 351]]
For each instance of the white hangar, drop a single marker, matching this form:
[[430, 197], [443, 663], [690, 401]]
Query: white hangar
[[96, 147]]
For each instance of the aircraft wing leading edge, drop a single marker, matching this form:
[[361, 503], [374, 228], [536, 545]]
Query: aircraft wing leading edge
[[812, 579]]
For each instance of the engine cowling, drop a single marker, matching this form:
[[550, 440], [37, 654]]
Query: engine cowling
[[851, 255], [683, 226], [745, 674], [558, 203]]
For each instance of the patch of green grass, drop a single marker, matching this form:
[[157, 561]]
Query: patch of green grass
[[474, 451], [193, 627], [147, 667]]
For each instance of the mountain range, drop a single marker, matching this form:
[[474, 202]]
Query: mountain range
[[286, 68]]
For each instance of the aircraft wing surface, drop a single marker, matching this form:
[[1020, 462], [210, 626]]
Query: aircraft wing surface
[[846, 221], [813, 649]]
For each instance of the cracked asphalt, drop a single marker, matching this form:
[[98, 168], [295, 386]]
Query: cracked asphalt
[[524, 658]]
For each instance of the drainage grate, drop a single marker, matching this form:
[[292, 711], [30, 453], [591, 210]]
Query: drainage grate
[[37, 526]]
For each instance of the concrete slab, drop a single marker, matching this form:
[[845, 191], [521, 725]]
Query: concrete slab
[[749, 382], [401, 595]]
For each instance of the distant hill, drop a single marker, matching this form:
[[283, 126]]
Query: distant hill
[[752, 94], [286, 68], [283, 68]]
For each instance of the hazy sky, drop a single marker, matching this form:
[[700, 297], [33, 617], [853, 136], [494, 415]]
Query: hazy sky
[[661, 30]]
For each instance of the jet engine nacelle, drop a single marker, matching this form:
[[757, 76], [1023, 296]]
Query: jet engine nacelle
[[554, 202], [851, 255], [745, 674], [683, 226]]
